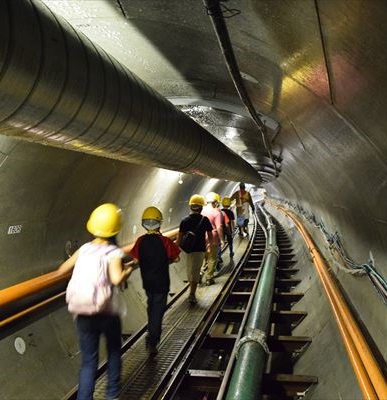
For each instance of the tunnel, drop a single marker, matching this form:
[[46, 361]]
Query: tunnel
[[145, 103]]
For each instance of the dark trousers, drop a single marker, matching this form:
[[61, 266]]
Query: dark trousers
[[90, 328], [157, 303], [230, 242]]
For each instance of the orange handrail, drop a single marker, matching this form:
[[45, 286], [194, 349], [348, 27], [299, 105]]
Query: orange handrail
[[24, 289], [371, 380], [29, 310], [32, 286]]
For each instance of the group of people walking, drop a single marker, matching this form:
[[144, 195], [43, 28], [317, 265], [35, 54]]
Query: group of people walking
[[212, 226], [99, 264]]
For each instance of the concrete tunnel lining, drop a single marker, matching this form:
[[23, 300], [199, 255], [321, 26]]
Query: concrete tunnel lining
[[333, 166]]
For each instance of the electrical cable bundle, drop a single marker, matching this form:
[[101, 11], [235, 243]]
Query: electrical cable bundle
[[334, 241]]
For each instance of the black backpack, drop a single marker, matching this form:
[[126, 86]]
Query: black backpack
[[189, 238]]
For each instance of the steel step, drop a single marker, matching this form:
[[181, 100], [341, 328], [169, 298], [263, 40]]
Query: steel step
[[286, 283], [288, 344], [280, 297], [292, 318], [273, 384], [287, 384], [283, 344], [286, 273]]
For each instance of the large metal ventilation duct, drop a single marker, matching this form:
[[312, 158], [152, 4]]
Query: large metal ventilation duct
[[58, 88]]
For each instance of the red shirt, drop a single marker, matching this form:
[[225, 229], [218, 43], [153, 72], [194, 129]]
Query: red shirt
[[171, 248], [154, 253]]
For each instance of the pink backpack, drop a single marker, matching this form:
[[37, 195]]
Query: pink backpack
[[89, 290]]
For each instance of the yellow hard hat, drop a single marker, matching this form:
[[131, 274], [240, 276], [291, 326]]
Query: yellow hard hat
[[105, 221], [197, 200], [226, 202], [152, 213], [212, 197]]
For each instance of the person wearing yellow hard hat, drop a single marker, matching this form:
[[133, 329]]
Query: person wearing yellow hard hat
[[153, 252], [97, 265], [192, 240], [210, 210], [230, 226]]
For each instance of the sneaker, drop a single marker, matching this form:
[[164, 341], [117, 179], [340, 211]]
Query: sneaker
[[192, 299], [232, 254], [210, 282]]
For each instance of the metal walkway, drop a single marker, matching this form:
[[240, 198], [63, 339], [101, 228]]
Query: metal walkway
[[142, 375]]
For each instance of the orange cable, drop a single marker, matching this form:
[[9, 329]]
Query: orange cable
[[344, 316]]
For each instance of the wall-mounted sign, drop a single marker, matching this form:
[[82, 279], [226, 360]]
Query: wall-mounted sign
[[14, 229]]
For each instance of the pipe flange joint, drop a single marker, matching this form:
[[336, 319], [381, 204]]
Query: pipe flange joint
[[272, 250], [253, 335]]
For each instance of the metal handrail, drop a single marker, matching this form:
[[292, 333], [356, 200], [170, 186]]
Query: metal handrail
[[370, 378], [21, 291], [29, 310]]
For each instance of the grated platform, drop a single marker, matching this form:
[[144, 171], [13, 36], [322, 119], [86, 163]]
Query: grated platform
[[142, 374]]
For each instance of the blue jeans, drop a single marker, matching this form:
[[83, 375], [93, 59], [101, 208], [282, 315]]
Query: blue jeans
[[90, 328], [157, 303]]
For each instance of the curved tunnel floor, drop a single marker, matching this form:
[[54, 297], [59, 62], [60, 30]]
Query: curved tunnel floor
[[142, 374]]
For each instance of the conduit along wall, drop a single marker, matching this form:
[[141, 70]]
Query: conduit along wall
[[370, 378]]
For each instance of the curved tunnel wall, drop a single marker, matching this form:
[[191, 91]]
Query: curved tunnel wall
[[332, 171], [58, 88], [50, 193], [330, 168]]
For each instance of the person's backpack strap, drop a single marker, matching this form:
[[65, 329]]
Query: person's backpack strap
[[197, 226]]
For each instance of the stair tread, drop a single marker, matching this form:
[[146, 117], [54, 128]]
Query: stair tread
[[287, 385], [290, 378]]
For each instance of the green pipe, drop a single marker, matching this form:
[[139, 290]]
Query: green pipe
[[246, 379]]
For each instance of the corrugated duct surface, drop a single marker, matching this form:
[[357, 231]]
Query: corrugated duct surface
[[58, 88]]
